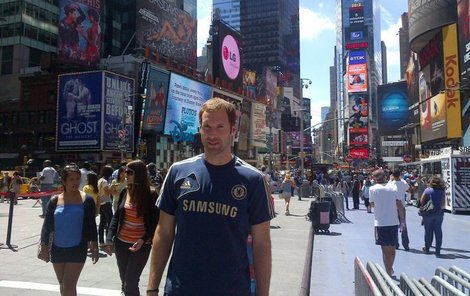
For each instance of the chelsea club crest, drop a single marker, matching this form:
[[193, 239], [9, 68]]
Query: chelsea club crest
[[239, 192]]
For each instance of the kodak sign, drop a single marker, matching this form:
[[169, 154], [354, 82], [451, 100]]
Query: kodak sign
[[451, 63]]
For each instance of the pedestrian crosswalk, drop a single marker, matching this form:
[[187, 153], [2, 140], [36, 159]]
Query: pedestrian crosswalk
[[55, 288]]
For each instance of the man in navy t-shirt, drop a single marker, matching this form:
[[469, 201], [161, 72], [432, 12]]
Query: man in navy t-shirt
[[209, 204]]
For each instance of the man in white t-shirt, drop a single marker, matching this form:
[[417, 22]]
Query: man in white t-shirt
[[267, 177], [402, 188], [48, 177], [383, 198], [84, 171]]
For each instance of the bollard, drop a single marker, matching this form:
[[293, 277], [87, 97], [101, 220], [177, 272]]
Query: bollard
[[8, 244]]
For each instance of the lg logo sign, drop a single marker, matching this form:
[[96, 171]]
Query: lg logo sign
[[230, 57]]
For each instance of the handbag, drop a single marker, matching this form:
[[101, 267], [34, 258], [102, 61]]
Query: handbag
[[44, 252], [427, 209]]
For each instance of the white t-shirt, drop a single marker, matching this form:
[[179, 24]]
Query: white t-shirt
[[83, 175], [384, 197], [402, 187], [49, 175]]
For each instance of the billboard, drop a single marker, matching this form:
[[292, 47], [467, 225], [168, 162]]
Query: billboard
[[258, 125], [249, 83], [358, 119], [393, 108], [356, 15], [433, 118], [412, 86], [425, 16], [357, 57], [267, 86], [118, 108], [357, 78], [185, 99], [359, 153], [155, 102], [226, 55], [463, 10], [93, 112], [79, 40], [167, 30], [356, 34]]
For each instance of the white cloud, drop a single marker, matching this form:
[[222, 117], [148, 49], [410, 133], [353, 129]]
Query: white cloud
[[391, 39], [313, 24]]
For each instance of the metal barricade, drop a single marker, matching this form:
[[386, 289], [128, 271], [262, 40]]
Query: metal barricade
[[409, 286], [453, 279], [445, 288], [460, 272], [364, 285], [385, 283]]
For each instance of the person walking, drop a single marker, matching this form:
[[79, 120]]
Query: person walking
[[355, 191], [91, 188], [288, 187], [6, 180], [365, 194], [106, 207], [214, 200], [15, 185], [343, 187], [384, 200], [117, 186], [48, 178], [132, 227], [84, 171], [433, 221], [402, 188], [71, 217]]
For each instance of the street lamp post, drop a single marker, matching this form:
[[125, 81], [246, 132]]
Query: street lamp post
[[304, 83]]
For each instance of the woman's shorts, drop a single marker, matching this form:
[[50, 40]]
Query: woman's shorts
[[75, 254], [386, 235]]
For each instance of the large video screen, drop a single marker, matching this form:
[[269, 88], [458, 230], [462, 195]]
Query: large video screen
[[393, 108], [79, 40], [167, 30], [185, 99], [155, 102]]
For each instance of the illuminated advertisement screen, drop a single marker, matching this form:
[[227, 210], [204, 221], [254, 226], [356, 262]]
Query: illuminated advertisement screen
[[165, 29], [79, 111], [79, 40], [358, 119], [118, 112], [433, 118], [357, 45], [249, 84], [393, 108], [412, 86], [227, 62], [185, 99], [356, 15], [155, 101], [357, 57], [356, 34], [359, 153], [357, 78]]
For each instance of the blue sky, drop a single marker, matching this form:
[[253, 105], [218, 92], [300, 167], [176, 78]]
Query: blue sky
[[317, 41]]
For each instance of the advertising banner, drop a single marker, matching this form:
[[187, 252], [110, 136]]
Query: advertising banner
[[433, 118], [267, 86], [357, 78], [118, 112], [79, 111], [357, 57], [249, 84], [356, 15], [412, 86], [185, 99], [293, 139], [463, 10], [235, 100], [79, 40], [425, 16], [227, 55], [452, 76], [258, 125], [155, 102], [393, 108], [245, 123], [359, 153], [358, 119], [167, 30]]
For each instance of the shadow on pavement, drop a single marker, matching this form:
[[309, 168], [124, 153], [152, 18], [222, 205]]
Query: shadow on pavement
[[331, 233], [275, 227]]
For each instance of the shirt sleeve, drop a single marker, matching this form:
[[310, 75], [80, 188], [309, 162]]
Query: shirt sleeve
[[260, 205], [167, 201]]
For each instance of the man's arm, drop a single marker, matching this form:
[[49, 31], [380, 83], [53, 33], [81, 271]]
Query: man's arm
[[262, 257], [401, 213], [161, 249]]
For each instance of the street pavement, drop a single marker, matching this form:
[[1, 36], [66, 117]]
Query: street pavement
[[333, 254], [21, 273]]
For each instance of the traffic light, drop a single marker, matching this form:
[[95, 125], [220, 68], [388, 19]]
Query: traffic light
[[328, 137]]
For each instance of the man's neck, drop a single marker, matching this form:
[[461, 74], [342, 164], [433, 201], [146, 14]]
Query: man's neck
[[218, 160]]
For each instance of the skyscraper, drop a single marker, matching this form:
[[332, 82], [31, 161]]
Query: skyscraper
[[270, 32]]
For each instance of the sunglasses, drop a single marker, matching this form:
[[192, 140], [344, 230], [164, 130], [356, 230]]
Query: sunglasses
[[129, 171]]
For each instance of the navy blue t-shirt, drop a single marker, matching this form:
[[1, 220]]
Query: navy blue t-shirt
[[214, 208]]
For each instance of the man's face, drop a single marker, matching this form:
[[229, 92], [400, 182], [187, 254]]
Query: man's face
[[216, 133]]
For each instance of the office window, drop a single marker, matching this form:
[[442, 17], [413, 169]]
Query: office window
[[7, 60]]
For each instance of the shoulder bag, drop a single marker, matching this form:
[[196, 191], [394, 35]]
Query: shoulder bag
[[427, 209]]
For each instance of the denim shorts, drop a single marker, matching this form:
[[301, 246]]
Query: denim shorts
[[386, 235], [76, 254]]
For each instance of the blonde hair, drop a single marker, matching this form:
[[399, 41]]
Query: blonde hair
[[287, 177]]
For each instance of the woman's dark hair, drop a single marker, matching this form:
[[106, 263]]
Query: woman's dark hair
[[92, 180], [66, 171], [140, 189], [106, 172], [120, 170], [436, 183]]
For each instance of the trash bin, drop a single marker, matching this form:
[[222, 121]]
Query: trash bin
[[305, 189], [320, 216]]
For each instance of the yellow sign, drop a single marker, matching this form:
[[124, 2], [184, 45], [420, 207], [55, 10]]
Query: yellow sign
[[452, 83]]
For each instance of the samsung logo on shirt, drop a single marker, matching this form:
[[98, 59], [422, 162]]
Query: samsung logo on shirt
[[217, 208]]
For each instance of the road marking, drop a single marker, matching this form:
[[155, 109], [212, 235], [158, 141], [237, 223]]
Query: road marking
[[55, 288]]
